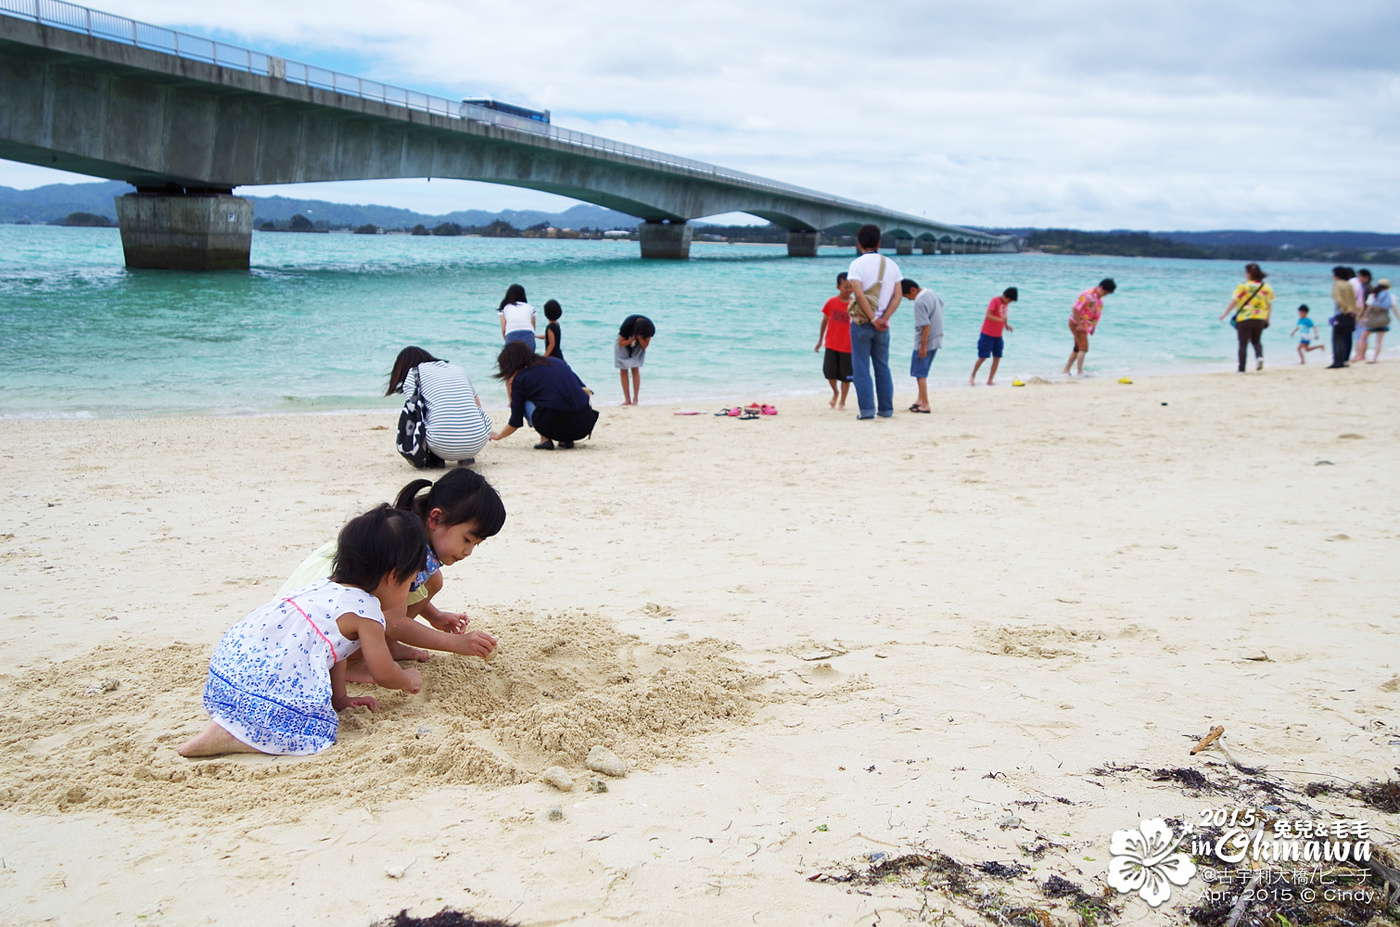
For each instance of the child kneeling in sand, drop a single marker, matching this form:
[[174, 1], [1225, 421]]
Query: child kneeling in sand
[[459, 511], [277, 679]]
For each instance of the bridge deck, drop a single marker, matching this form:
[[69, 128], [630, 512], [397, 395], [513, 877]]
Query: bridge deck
[[107, 96]]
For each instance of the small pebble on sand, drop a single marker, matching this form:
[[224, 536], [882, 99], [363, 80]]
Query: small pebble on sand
[[597, 785], [556, 812], [602, 760], [559, 778]]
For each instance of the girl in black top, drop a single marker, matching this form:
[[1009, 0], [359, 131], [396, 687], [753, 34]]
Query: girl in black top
[[552, 312]]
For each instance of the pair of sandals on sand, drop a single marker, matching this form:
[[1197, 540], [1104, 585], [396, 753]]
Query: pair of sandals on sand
[[751, 411]]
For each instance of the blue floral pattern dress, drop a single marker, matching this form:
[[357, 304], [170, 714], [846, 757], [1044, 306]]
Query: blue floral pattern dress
[[269, 679]]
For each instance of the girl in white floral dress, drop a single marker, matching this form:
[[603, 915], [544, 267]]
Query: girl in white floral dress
[[277, 679]]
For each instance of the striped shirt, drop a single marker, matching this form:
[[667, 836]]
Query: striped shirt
[[457, 427]]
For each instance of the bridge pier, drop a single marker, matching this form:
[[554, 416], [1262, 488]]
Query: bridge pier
[[186, 230], [928, 246], [903, 246], [803, 244], [669, 240]]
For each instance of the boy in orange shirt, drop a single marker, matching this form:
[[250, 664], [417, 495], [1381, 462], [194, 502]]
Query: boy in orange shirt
[[991, 341], [835, 334]]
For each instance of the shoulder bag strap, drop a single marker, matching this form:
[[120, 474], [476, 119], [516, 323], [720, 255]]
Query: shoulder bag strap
[[1257, 291]]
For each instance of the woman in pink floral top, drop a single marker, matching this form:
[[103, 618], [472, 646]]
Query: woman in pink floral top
[[1084, 318]]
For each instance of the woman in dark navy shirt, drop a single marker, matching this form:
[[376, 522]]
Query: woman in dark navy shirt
[[545, 393]]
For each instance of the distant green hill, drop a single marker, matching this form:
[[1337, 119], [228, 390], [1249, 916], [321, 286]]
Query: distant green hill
[[56, 201], [1325, 247]]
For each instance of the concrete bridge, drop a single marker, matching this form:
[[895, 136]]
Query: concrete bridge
[[186, 120]]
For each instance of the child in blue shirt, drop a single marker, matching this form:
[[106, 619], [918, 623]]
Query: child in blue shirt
[[1306, 333]]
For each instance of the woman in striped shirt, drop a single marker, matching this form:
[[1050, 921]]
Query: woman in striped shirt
[[457, 426]]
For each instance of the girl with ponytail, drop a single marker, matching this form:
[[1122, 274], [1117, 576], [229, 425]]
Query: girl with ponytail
[[458, 512]]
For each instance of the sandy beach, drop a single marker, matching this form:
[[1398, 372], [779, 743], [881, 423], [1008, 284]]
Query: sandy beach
[[989, 634]]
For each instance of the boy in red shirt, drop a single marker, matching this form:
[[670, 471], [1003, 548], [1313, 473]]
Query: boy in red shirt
[[990, 342], [836, 335]]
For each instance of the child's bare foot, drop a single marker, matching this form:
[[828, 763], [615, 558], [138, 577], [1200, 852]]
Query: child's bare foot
[[841, 407], [990, 382], [832, 403], [357, 672], [213, 741], [404, 652], [972, 381]]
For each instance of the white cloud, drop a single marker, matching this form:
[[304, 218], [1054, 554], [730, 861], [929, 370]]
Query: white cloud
[[1083, 113]]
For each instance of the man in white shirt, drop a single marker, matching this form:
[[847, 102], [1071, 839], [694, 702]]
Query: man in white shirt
[[875, 287]]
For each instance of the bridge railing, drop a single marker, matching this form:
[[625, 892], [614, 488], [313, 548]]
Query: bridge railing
[[71, 17]]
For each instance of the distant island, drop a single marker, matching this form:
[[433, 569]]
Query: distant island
[[91, 204], [1339, 247], [55, 202], [496, 228]]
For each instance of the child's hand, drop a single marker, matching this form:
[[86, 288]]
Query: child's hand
[[415, 680], [476, 644], [451, 622], [359, 701]]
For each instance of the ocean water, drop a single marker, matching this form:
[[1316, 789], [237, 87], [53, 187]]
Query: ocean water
[[316, 323]]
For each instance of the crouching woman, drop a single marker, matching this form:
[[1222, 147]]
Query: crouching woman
[[547, 394]]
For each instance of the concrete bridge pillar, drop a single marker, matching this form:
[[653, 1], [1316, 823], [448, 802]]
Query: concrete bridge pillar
[[803, 244], [904, 246], [928, 246], [670, 240], [184, 231]]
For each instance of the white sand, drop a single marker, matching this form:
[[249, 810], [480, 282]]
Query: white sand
[[1031, 583]]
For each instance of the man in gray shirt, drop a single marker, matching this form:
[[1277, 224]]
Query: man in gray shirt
[[928, 336]]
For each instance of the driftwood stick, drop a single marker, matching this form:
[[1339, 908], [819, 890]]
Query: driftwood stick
[[1246, 896], [1209, 739], [1243, 901], [1391, 878]]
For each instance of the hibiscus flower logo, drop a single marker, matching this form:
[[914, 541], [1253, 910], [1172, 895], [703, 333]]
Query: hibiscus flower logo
[[1145, 861]]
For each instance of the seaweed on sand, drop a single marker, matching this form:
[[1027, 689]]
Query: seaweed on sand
[[1384, 796], [1318, 897], [1190, 778], [444, 918], [980, 887]]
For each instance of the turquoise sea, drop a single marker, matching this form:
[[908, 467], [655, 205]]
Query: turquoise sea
[[315, 325]]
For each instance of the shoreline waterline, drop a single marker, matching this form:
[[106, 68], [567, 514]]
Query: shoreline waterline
[[705, 405], [314, 326]]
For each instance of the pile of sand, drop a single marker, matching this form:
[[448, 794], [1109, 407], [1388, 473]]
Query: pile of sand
[[99, 731]]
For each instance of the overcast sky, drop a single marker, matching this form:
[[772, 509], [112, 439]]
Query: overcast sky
[[1167, 115]]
